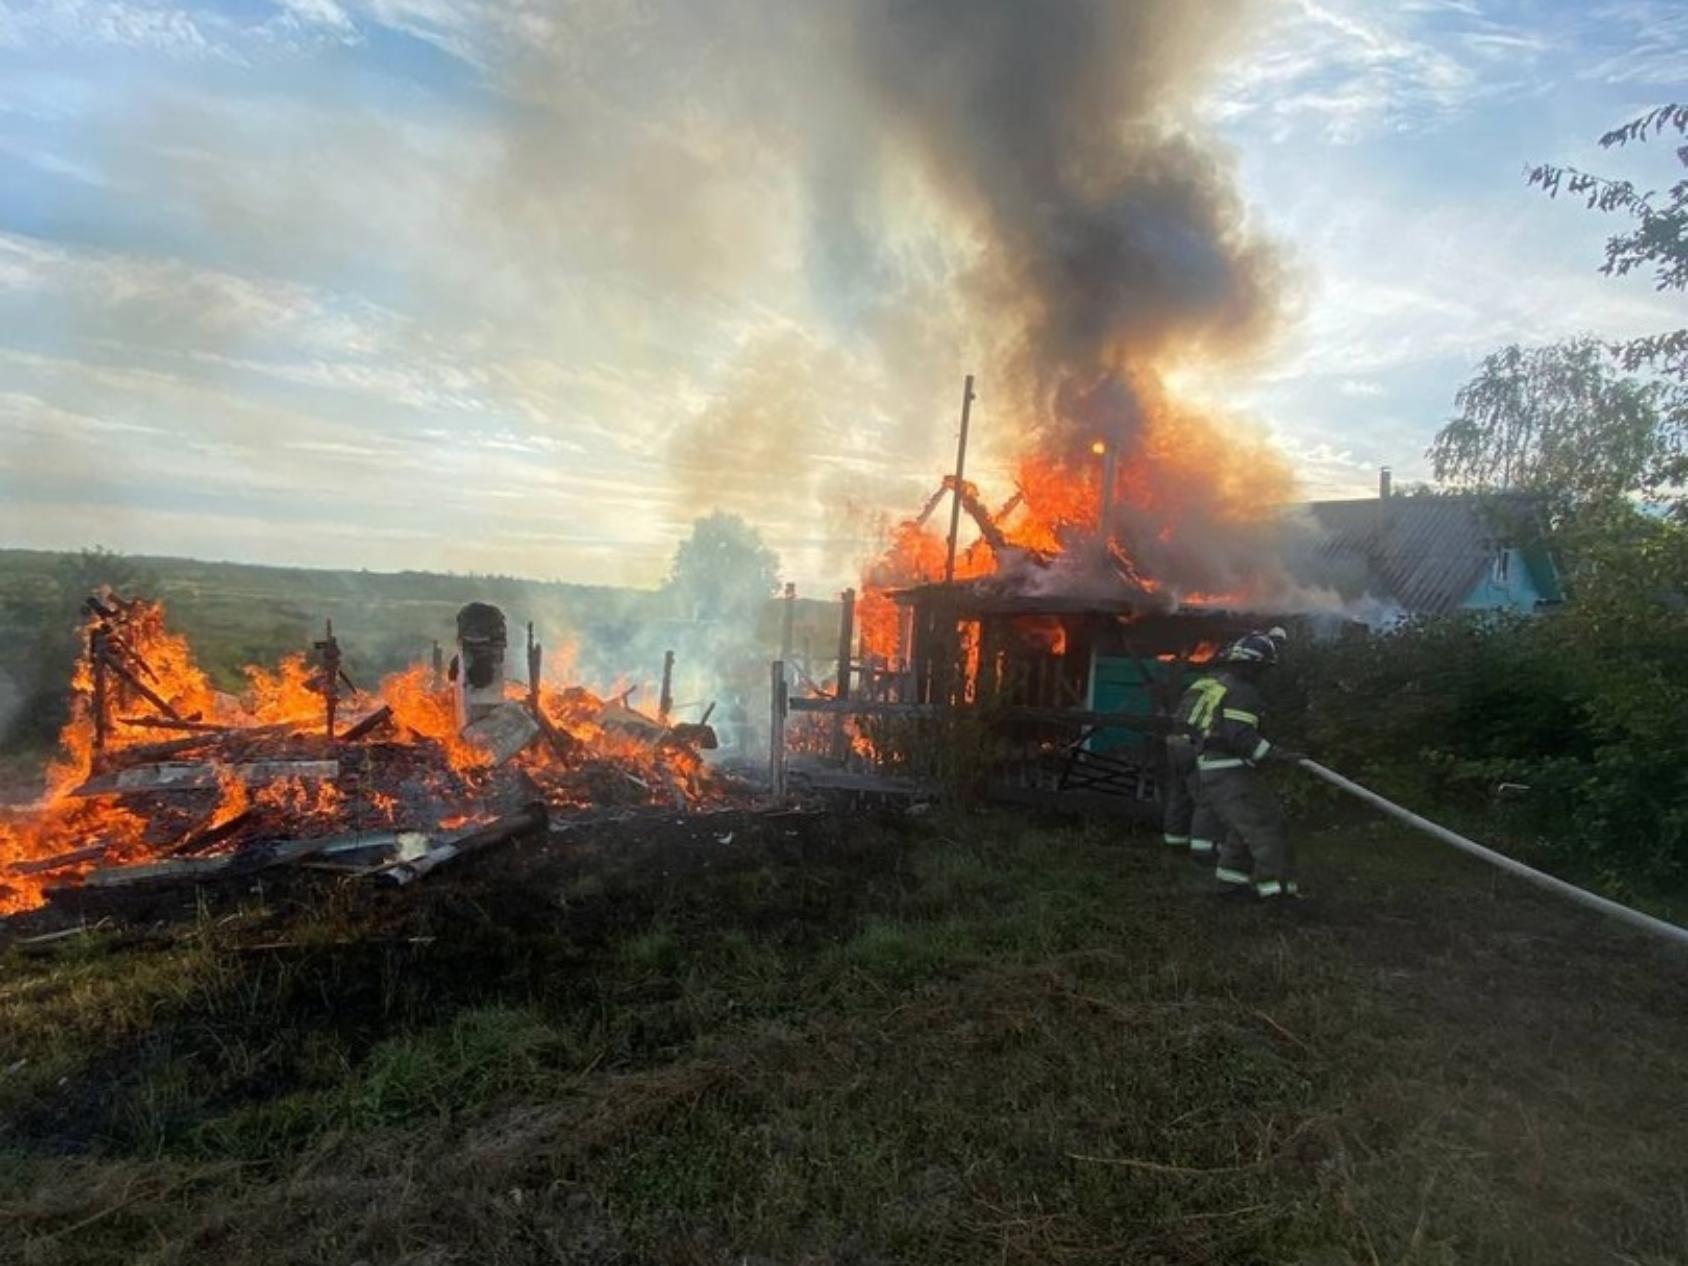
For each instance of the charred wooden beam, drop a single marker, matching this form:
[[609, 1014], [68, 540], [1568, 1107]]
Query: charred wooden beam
[[149, 752], [208, 837], [140, 687], [568, 748], [182, 870], [374, 721], [330, 674], [165, 723], [41, 865]]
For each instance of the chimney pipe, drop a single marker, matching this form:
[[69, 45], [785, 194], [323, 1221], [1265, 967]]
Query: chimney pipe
[[1383, 484]]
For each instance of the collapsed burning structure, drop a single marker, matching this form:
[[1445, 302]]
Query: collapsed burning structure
[[435, 761], [1072, 656]]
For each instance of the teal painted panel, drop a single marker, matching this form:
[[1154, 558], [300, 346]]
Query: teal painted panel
[[1512, 588], [1545, 573], [1119, 686]]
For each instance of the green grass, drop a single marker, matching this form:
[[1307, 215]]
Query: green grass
[[980, 1038]]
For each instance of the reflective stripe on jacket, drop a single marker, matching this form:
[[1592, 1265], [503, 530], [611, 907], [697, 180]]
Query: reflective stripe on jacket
[[1225, 719]]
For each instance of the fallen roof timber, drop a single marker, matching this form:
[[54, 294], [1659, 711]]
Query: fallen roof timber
[[167, 776], [178, 870]]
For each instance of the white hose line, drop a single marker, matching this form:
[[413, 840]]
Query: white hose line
[[1646, 922]]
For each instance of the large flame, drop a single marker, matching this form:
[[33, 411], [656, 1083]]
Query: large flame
[[1193, 514]]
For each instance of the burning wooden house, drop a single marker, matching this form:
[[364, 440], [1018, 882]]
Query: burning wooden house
[[1077, 689], [1059, 627]]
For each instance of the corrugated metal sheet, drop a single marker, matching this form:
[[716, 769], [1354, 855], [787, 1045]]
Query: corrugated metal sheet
[[1424, 553]]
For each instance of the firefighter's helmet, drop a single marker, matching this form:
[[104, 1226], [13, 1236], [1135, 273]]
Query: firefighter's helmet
[[1252, 648]]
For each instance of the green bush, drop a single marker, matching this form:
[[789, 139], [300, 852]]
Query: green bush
[[1584, 707]]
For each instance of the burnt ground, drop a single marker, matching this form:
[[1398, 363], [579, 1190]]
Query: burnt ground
[[847, 1038]]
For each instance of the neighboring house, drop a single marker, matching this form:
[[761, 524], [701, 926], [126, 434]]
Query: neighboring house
[[1433, 555]]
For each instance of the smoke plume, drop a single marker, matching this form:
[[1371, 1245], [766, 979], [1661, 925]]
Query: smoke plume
[[1018, 189], [1106, 247]]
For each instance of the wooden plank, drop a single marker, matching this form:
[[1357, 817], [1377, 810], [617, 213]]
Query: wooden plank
[[193, 870], [173, 776]]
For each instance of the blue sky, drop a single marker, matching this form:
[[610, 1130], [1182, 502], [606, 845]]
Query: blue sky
[[493, 285]]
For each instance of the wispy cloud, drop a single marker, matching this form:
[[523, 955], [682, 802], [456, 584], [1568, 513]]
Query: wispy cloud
[[133, 24], [1346, 70], [595, 272]]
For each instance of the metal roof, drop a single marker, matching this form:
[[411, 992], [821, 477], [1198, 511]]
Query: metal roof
[[1424, 553]]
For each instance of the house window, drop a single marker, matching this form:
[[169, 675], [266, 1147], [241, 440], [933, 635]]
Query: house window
[[1503, 567]]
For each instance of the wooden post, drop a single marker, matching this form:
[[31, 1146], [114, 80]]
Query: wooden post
[[776, 728], [438, 666], [905, 653], [846, 636], [787, 621], [328, 653], [665, 703], [960, 470], [534, 656], [101, 703]]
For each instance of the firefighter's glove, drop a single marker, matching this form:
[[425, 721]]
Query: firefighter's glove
[[1288, 755]]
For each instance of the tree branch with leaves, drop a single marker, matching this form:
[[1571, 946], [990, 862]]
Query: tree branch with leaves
[[1658, 241]]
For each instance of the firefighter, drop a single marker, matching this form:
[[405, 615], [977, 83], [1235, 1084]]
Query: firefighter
[[1255, 854], [1188, 823]]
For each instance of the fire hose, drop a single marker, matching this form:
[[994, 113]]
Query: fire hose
[[1612, 909]]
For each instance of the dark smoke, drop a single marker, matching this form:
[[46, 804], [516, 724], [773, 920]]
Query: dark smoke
[[1061, 133]]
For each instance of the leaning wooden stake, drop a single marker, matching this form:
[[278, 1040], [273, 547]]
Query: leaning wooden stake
[[960, 470], [535, 662]]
